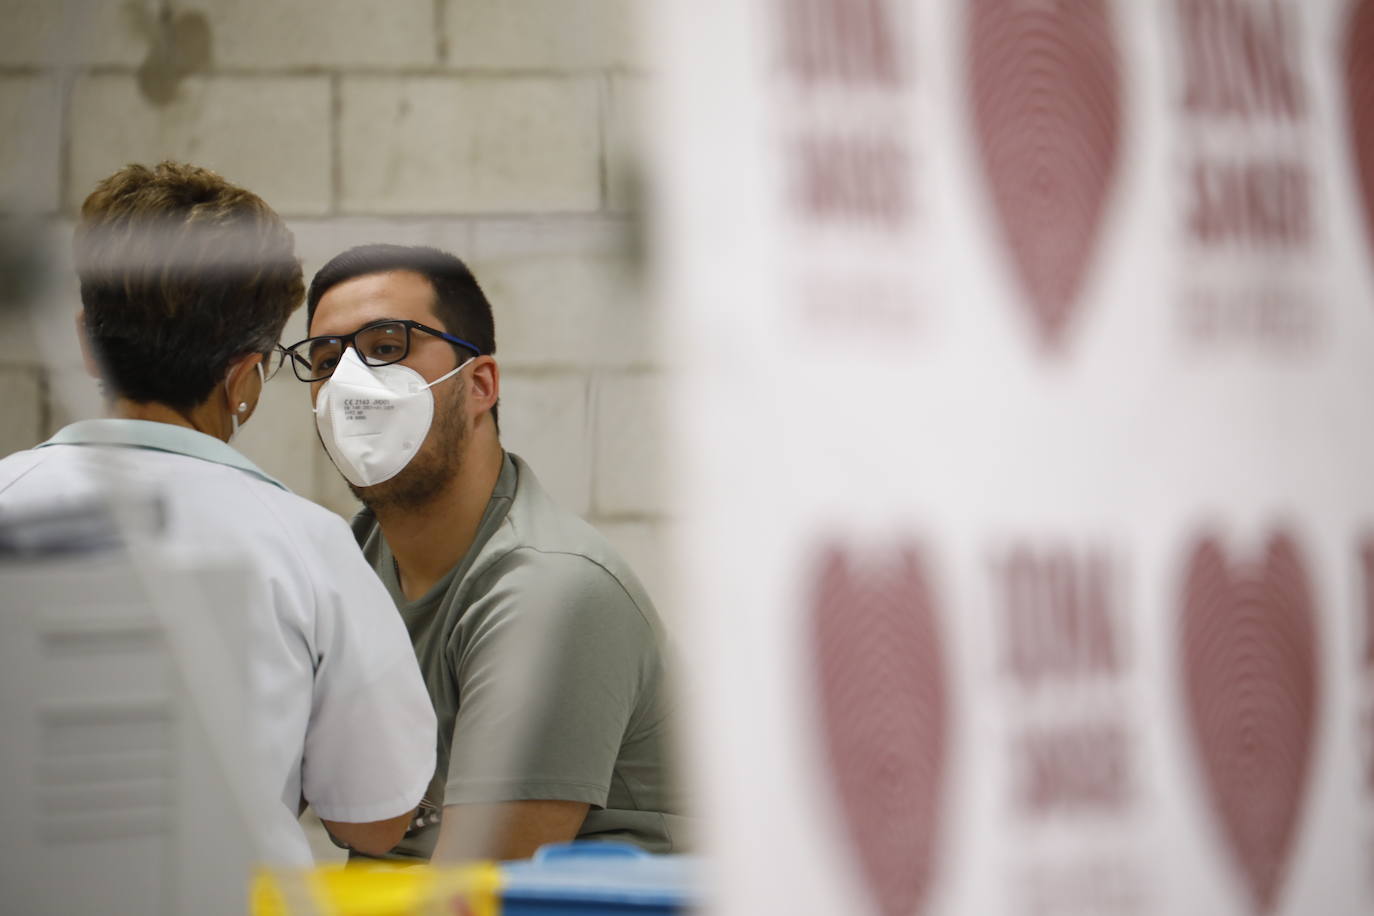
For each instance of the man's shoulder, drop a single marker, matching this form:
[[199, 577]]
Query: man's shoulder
[[538, 525], [568, 573], [546, 549]]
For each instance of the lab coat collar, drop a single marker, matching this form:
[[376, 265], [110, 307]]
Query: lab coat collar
[[162, 437]]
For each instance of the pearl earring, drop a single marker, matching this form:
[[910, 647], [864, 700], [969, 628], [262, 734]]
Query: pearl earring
[[243, 406]]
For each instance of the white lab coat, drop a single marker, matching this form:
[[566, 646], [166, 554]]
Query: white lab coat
[[341, 715]]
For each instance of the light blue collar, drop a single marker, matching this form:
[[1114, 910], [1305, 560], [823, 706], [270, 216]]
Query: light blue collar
[[162, 437]]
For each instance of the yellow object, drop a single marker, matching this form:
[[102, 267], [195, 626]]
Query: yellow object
[[374, 889]]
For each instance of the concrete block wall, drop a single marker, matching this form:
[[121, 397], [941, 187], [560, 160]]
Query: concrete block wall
[[501, 130]]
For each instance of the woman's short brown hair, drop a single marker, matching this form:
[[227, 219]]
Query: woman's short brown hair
[[181, 274]]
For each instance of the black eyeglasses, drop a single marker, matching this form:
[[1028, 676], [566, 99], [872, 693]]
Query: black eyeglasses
[[377, 344], [273, 360]]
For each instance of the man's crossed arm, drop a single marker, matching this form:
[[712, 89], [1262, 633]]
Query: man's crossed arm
[[506, 830]]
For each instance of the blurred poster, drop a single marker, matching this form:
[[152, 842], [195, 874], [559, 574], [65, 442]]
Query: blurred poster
[[1024, 419]]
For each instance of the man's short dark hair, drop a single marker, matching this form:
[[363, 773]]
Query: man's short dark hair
[[459, 302], [181, 273]]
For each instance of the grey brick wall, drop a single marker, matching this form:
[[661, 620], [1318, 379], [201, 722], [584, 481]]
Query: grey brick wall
[[502, 130]]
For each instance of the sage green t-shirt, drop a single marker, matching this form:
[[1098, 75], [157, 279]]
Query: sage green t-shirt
[[544, 659]]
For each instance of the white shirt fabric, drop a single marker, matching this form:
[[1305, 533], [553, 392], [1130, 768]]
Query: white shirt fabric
[[341, 714]]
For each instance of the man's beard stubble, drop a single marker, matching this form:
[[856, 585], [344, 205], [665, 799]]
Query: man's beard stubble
[[434, 467]]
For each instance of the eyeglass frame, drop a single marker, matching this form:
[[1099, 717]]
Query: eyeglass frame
[[347, 340], [284, 356]]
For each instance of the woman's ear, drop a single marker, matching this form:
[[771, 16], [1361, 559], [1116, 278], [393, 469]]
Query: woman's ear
[[87, 350], [244, 386]]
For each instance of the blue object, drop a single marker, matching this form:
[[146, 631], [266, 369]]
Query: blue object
[[594, 876]]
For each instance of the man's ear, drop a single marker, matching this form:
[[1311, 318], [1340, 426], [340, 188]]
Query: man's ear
[[87, 350], [485, 388]]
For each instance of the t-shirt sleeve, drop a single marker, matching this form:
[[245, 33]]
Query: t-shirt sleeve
[[369, 748], [550, 669]]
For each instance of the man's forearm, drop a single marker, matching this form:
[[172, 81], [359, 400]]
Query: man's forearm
[[506, 830]]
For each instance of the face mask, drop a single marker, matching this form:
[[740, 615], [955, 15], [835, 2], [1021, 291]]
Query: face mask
[[373, 419], [234, 423]]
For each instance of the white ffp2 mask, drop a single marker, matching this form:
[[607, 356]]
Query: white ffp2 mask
[[373, 419]]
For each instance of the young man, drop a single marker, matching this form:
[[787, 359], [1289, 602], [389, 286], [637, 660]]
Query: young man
[[540, 648], [186, 284]]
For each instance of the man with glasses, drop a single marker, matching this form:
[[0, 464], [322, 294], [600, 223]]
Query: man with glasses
[[539, 646]]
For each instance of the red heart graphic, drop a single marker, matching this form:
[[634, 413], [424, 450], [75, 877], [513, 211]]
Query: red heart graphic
[[1250, 669], [1046, 111], [884, 716], [1359, 88]]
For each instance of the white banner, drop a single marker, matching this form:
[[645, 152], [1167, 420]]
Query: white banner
[[1025, 437]]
